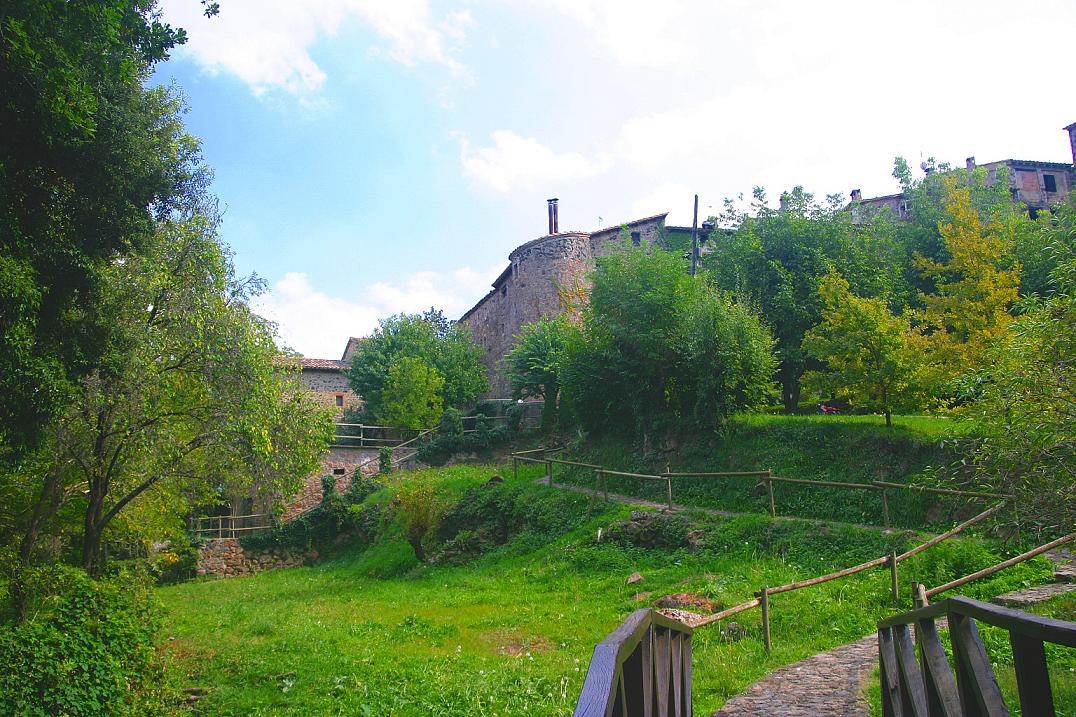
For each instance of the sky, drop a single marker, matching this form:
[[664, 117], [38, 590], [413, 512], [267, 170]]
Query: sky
[[373, 157]]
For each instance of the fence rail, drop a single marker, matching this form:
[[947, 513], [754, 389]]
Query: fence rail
[[927, 687], [767, 477]]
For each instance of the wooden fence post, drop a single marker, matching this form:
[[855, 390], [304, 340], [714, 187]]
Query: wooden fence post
[[549, 472], [605, 485], [885, 509], [893, 578], [668, 485], [362, 436], [769, 487], [764, 596], [515, 467]]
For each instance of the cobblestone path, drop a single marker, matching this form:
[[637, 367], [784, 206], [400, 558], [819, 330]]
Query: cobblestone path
[[828, 684]]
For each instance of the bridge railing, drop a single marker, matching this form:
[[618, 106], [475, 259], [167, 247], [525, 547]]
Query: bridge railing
[[642, 668], [927, 687]]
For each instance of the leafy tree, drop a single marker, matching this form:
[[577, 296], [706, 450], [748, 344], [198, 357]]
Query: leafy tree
[[192, 399], [89, 160], [775, 258], [968, 310], [1025, 421], [659, 349], [412, 395], [429, 338], [420, 508], [871, 356], [534, 363]]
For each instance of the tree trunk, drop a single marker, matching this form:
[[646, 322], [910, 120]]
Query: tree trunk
[[790, 395], [888, 419], [93, 527]]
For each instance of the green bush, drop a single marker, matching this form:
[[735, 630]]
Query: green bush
[[87, 649]]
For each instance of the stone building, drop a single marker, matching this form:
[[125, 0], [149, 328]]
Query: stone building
[[1038, 185], [326, 380], [546, 275]]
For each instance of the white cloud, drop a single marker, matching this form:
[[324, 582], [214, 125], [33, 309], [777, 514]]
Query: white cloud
[[513, 162], [267, 43], [318, 325]]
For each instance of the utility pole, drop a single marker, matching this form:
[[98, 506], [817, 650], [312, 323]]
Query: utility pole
[[695, 238]]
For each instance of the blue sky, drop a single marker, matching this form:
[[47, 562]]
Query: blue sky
[[377, 156]]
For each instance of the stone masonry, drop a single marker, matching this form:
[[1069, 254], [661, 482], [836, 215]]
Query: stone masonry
[[541, 280], [225, 557]]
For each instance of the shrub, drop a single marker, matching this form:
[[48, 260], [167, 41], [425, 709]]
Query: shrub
[[419, 508], [86, 650]]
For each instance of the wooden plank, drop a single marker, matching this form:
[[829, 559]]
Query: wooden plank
[[827, 483], [942, 697], [647, 648], [677, 680], [688, 672], [631, 678], [661, 670], [887, 659], [644, 476], [976, 683], [720, 474], [1032, 677], [764, 597], [913, 696]]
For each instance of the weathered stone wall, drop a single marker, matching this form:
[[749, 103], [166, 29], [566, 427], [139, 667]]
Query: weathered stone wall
[[225, 557], [542, 275], [331, 388], [339, 459]]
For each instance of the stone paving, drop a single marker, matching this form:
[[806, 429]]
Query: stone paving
[[830, 683]]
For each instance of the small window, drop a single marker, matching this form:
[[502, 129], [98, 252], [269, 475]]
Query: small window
[[1049, 182], [338, 471], [339, 399], [636, 238]]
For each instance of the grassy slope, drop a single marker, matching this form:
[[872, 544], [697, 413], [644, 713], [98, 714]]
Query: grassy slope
[[372, 632], [856, 449]]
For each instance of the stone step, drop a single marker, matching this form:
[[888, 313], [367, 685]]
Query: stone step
[[1030, 596]]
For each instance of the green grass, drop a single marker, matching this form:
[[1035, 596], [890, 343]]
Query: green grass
[[511, 632], [847, 449]]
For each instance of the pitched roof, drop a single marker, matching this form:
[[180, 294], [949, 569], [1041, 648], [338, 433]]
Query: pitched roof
[[322, 364]]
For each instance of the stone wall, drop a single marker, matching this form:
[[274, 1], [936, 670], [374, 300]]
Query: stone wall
[[331, 388], [339, 459], [544, 278], [225, 557]]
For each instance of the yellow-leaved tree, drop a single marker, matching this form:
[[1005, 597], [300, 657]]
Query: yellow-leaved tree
[[968, 311]]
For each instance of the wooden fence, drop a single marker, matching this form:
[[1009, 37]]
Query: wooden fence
[[927, 688], [767, 477], [642, 668]]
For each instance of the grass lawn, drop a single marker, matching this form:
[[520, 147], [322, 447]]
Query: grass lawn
[[511, 632]]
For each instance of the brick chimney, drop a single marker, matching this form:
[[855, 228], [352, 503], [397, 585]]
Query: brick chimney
[[1071, 129], [970, 163], [856, 195]]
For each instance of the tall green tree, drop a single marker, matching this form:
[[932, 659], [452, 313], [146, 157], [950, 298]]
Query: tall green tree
[[870, 356], [89, 160], [774, 259], [429, 338], [659, 350], [412, 395], [535, 363], [190, 401], [1025, 420]]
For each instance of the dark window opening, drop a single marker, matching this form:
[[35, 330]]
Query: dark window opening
[[636, 238], [338, 471], [1049, 181], [339, 400]]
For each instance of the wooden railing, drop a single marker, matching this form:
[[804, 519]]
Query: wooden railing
[[360, 435], [767, 477], [642, 668], [228, 526], [927, 688]]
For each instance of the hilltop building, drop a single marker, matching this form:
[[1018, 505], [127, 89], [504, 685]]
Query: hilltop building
[[542, 275], [1039, 185]]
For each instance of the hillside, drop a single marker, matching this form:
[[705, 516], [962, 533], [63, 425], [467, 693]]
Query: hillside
[[522, 590]]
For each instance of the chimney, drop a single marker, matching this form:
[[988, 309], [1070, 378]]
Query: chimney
[[856, 195], [1072, 140], [970, 163], [554, 202], [549, 208]]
